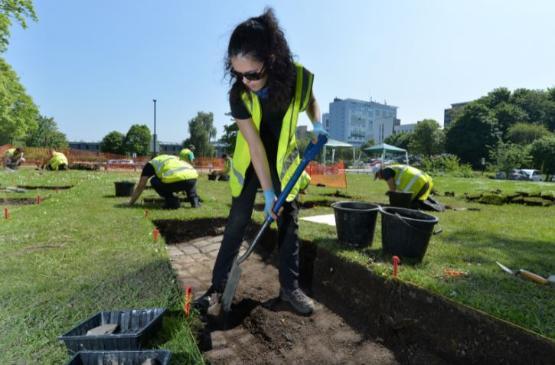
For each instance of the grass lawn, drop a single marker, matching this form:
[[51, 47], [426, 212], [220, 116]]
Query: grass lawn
[[81, 251]]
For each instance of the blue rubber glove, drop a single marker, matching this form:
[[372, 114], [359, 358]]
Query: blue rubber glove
[[269, 199], [318, 129]]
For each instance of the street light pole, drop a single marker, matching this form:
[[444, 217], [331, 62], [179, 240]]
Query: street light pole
[[154, 136]]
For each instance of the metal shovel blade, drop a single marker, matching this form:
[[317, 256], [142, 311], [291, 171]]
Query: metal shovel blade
[[505, 268], [231, 286]]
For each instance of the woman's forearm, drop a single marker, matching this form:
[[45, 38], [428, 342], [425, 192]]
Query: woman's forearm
[[260, 164]]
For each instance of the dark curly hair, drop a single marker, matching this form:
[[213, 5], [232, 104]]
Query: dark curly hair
[[262, 39]]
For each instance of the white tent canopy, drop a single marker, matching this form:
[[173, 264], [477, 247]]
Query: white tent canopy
[[333, 144]]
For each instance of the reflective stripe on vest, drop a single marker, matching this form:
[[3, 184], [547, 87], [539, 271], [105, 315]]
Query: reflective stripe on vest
[[287, 154], [410, 180], [171, 169]]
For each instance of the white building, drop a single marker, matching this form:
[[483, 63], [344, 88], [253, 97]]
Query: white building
[[356, 121]]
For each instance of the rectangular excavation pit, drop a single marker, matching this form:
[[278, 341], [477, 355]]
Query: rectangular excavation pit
[[420, 327], [45, 187]]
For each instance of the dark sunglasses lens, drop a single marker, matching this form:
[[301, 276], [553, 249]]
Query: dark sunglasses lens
[[251, 76]]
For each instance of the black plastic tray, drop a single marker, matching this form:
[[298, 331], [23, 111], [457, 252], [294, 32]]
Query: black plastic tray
[[135, 327], [160, 357]]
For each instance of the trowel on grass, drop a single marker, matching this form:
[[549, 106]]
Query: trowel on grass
[[525, 274], [311, 152]]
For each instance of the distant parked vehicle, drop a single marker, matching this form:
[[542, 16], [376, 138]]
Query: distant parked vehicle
[[532, 175]]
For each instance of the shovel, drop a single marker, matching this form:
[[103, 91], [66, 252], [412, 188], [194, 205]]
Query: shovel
[[234, 275], [527, 275]]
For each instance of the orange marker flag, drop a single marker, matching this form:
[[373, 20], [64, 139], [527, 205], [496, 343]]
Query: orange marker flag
[[187, 302]]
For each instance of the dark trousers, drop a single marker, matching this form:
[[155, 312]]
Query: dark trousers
[[166, 190], [239, 218]]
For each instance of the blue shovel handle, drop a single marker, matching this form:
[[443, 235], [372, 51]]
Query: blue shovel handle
[[312, 150]]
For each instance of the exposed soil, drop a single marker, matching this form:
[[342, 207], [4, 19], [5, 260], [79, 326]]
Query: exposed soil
[[18, 201], [496, 197], [45, 187], [339, 194], [361, 318]]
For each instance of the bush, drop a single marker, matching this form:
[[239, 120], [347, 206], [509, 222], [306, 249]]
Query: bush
[[446, 164]]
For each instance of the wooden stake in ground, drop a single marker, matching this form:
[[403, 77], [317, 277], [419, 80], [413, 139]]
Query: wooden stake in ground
[[38, 199], [155, 233], [6, 213]]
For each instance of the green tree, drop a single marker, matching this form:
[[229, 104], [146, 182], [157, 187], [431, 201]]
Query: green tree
[[543, 155], [427, 139], [496, 97], [137, 140], [472, 134], [230, 137], [18, 113], [526, 133], [14, 9], [46, 135], [113, 142], [508, 115], [536, 104], [401, 140], [508, 156], [201, 130]]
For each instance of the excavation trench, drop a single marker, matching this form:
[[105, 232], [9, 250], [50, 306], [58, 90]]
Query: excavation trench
[[361, 318], [45, 187]]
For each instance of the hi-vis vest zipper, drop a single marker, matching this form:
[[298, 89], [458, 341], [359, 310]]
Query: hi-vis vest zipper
[[287, 153], [171, 169], [411, 180]]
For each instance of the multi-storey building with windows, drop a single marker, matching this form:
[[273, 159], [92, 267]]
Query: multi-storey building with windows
[[356, 121]]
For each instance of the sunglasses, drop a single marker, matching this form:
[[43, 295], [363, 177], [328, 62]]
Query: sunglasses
[[251, 76]]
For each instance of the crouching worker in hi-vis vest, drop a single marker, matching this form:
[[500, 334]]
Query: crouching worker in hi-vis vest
[[58, 161], [13, 158], [168, 175], [268, 93], [407, 179]]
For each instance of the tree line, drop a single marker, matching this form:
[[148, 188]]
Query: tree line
[[504, 129]]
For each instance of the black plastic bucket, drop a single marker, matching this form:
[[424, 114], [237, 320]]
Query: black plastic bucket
[[406, 232], [124, 188], [355, 222], [400, 199]]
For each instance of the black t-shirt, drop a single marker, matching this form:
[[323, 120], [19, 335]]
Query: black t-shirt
[[270, 125], [388, 173], [148, 170]]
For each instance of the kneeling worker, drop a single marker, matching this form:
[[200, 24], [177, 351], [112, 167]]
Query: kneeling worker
[[57, 161], [407, 179], [13, 158], [169, 175]]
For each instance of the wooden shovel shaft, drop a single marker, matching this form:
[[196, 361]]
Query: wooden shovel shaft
[[532, 277]]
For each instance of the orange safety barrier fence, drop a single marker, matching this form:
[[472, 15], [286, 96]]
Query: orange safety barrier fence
[[4, 148], [208, 164], [332, 176]]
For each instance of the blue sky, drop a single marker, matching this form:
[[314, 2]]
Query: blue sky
[[96, 65]]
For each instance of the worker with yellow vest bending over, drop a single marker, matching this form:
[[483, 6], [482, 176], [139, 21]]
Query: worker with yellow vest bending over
[[13, 158], [57, 161], [404, 178], [168, 175], [268, 92]]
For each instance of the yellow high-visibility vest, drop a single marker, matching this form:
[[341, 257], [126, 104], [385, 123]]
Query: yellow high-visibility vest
[[171, 169], [287, 154], [57, 159], [411, 180], [10, 152]]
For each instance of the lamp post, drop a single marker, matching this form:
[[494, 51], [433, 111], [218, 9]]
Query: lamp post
[[154, 136]]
